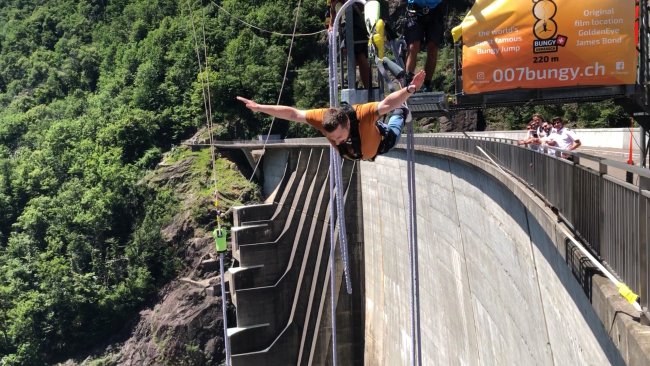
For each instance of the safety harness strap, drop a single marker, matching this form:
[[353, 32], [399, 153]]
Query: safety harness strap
[[384, 74], [351, 149], [417, 9]]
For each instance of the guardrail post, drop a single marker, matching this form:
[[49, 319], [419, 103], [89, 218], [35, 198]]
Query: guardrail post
[[602, 230], [349, 46], [644, 185], [576, 191], [642, 142]]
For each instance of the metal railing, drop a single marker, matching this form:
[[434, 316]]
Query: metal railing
[[606, 213]]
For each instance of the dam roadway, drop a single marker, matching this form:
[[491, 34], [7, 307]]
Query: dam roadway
[[500, 283]]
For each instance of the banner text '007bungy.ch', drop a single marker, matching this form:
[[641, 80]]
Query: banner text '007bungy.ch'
[[548, 43]]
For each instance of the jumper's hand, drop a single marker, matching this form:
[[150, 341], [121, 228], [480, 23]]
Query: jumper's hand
[[250, 104], [418, 80]]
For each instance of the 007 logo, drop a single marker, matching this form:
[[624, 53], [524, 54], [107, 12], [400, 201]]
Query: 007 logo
[[545, 28]]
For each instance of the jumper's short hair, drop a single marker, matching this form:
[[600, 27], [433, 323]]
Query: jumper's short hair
[[334, 118]]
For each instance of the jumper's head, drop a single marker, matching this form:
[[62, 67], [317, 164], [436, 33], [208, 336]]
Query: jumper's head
[[336, 125]]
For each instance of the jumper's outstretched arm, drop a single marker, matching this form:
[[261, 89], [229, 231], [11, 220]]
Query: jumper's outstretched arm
[[396, 99], [278, 111]]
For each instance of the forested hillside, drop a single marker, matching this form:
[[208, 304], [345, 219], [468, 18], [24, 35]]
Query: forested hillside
[[92, 94]]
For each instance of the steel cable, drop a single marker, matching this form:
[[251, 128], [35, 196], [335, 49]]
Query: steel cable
[[267, 31], [207, 104]]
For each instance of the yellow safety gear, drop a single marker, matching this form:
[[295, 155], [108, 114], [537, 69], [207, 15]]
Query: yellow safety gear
[[627, 293]]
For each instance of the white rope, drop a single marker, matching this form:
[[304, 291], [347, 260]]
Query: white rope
[[409, 234], [333, 156], [208, 111], [411, 217], [266, 31], [211, 124], [284, 79], [198, 57]]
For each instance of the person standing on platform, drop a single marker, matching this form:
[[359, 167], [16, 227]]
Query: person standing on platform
[[360, 35], [563, 138], [425, 25]]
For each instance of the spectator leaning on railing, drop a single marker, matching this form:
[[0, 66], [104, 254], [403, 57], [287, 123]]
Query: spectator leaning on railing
[[539, 121], [563, 138], [544, 132], [544, 136], [532, 134]]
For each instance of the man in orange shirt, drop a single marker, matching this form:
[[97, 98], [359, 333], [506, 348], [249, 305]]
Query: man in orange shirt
[[361, 137]]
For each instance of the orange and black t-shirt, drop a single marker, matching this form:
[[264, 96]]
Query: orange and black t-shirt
[[367, 114]]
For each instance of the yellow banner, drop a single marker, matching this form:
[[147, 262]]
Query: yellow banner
[[511, 44]]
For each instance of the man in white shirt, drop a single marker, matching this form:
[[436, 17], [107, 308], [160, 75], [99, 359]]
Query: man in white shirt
[[563, 138]]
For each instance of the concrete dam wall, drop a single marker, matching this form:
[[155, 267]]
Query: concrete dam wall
[[499, 283], [280, 285], [494, 288]]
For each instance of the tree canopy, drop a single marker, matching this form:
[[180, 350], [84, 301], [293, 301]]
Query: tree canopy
[[92, 92]]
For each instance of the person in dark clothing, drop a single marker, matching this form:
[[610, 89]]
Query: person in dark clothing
[[360, 34], [424, 24]]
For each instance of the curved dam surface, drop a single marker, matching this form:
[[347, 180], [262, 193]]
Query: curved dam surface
[[499, 282], [495, 288]]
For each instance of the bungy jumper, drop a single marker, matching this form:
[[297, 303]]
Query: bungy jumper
[[377, 41]]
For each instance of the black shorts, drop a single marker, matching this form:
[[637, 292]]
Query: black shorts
[[425, 28], [359, 33]]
